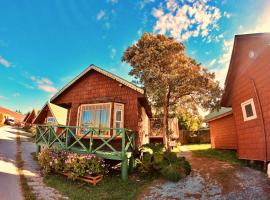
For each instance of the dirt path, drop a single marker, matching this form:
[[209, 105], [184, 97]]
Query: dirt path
[[9, 178], [32, 171], [213, 180]]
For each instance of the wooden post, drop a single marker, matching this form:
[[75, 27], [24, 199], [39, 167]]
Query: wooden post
[[124, 168], [124, 165]]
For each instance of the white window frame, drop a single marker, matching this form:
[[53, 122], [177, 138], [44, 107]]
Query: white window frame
[[50, 118], [243, 105], [122, 114], [80, 110]]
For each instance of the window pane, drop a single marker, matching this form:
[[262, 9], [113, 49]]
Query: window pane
[[103, 118], [117, 124], [88, 118], [50, 120], [249, 111], [118, 115]]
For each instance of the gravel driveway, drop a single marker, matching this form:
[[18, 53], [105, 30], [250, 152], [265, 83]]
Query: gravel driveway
[[213, 180]]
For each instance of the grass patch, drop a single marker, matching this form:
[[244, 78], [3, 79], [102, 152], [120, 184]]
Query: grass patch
[[111, 187], [27, 191], [204, 150]]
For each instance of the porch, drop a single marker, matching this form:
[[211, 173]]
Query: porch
[[90, 140]]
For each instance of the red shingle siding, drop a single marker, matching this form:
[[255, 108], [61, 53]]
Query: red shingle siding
[[95, 87], [223, 133], [251, 135]]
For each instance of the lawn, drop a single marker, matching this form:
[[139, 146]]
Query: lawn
[[111, 187], [204, 150]]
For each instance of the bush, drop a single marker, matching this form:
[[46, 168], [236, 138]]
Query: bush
[[154, 159], [73, 164]]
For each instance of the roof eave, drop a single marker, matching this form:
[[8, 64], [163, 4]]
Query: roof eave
[[110, 75], [219, 116]]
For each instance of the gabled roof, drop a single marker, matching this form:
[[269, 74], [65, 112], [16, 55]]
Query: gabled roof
[[16, 115], [34, 113], [58, 112], [233, 67], [104, 72], [26, 116], [222, 112]]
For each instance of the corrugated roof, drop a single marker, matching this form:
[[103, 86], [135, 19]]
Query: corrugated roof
[[222, 111], [104, 72]]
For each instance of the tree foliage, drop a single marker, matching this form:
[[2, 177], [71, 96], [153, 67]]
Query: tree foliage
[[189, 119], [169, 76]]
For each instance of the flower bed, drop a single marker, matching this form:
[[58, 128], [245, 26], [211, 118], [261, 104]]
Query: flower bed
[[86, 167]]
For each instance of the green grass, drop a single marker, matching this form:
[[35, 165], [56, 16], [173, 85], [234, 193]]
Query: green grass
[[111, 187], [27, 191], [204, 150]]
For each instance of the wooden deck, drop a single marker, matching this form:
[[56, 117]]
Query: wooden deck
[[91, 142]]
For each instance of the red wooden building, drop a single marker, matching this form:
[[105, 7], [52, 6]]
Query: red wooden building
[[99, 98], [246, 127]]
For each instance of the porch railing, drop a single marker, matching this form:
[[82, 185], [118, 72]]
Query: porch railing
[[91, 140]]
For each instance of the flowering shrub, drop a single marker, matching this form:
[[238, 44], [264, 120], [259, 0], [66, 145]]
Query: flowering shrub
[[73, 164]]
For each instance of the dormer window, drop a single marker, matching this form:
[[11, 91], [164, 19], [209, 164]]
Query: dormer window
[[248, 109]]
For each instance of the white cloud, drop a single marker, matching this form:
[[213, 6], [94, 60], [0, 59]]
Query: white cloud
[[47, 88], [212, 62], [186, 19], [28, 86], [3, 97], [4, 62], [44, 84], [101, 14], [113, 53]]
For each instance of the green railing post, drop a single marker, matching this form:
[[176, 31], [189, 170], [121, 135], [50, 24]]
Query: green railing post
[[124, 165], [66, 137], [91, 140]]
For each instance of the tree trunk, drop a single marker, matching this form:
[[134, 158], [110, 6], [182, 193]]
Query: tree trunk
[[165, 120]]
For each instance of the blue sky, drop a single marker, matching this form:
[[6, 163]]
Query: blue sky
[[44, 44]]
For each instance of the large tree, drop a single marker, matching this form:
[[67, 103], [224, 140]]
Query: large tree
[[169, 76]]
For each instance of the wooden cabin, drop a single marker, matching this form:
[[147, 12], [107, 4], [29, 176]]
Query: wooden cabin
[[100, 99], [30, 117], [246, 127], [5, 113]]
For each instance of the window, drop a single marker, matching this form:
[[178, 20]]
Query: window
[[51, 120], [96, 115], [248, 109], [118, 115]]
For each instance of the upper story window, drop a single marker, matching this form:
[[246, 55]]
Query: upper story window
[[248, 110], [51, 120]]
